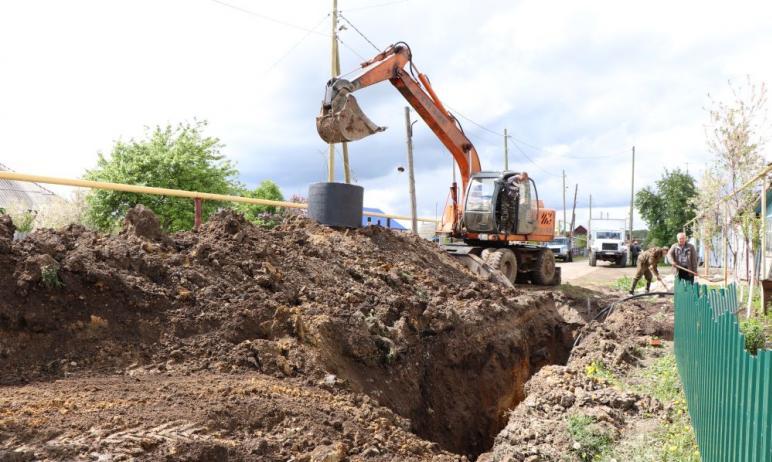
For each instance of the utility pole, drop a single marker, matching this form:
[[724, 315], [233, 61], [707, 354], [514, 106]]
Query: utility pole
[[632, 196], [336, 72], [506, 151], [564, 201], [411, 175], [589, 225], [573, 221]]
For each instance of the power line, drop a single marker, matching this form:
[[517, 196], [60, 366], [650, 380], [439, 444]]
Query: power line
[[297, 44], [359, 32], [379, 5], [351, 50], [517, 146], [268, 18]]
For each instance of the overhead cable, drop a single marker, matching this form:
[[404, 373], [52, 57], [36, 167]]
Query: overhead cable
[[268, 18], [359, 32]]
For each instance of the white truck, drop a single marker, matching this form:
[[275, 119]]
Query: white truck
[[607, 241]]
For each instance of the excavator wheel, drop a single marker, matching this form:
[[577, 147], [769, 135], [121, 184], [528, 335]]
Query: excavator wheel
[[485, 252], [543, 271], [503, 260]]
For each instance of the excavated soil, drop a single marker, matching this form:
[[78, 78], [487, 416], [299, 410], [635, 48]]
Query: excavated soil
[[620, 344], [300, 342]]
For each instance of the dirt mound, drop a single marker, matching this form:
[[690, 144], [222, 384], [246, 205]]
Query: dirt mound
[[585, 387], [365, 311]]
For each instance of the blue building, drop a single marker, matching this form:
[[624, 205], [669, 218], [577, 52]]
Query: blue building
[[380, 221]]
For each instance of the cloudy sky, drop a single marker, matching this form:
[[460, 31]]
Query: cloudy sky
[[577, 84]]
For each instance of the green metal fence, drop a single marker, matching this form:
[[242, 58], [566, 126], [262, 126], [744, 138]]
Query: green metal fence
[[728, 390]]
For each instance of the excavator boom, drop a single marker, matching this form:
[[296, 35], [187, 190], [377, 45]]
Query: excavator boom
[[341, 118]]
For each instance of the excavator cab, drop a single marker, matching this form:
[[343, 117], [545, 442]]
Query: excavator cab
[[341, 119], [498, 203]]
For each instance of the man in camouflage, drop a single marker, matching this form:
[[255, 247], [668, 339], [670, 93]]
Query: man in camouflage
[[647, 265]]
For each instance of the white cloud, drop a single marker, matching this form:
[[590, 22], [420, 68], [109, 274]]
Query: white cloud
[[581, 80]]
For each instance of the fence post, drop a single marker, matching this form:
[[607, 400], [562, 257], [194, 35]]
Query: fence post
[[197, 216]]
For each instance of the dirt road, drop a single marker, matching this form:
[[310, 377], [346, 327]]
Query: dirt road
[[582, 274]]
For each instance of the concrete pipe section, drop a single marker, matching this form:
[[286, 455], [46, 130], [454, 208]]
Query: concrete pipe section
[[336, 204]]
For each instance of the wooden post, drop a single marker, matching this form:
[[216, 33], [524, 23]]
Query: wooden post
[[410, 172], [564, 204], [197, 213], [573, 222], [506, 151]]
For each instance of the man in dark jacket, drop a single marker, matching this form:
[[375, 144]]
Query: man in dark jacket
[[647, 266], [635, 249], [684, 255]]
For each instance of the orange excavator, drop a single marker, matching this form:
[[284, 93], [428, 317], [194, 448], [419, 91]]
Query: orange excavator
[[494, 218]]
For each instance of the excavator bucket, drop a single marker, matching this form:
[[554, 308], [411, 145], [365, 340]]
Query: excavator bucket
[[342, 120]]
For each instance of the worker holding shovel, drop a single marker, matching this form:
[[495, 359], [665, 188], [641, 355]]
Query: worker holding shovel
[[683, 257], [647, 266]]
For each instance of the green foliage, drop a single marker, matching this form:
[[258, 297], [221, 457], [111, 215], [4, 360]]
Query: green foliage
[[177, 158], [591, 440], [598, 372], [50, 277], [256, 213], [625, 282], [667, 207], [755, 337]]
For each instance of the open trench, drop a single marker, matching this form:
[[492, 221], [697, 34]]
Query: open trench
[[458, 387]]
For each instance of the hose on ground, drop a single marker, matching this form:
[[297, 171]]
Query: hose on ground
[[609, 309]]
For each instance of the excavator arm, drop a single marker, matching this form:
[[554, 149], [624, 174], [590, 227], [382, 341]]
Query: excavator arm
[[342, 120]]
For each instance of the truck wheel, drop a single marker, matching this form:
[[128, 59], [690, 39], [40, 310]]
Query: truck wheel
[[622, 261], [544, 268], [593, 259], [503, 260]]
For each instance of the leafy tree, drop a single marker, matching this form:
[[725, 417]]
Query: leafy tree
[[667, 207], [736, 137], [262, 215], [267, 190], [171, 157]]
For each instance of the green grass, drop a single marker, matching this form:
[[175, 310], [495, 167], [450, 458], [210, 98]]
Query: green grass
[[673, 440], [625, 282], [50, 277], [590, 439], [598, 372]]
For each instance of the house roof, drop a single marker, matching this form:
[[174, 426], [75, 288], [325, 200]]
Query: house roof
[[29, 195], [379, 221]]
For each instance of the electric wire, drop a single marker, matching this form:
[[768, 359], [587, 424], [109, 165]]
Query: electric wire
[[379, 5], [359, 32], [350, 49], [268, 18], [517, 146], [297, 44], [609, 309]]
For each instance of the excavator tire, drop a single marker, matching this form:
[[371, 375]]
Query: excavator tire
[[543, 268], [503, 260], [485, 252]]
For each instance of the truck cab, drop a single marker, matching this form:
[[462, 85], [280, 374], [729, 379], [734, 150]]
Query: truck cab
[[608, 244]]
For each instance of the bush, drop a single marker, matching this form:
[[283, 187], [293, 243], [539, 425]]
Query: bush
[[755, 337], [23, 217]]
